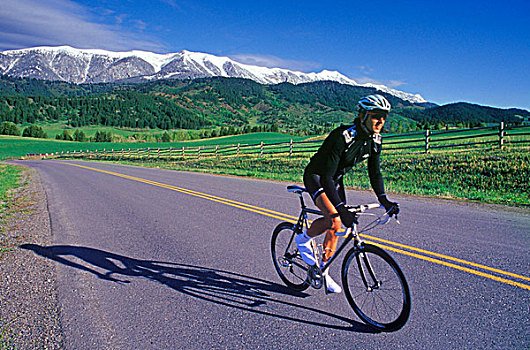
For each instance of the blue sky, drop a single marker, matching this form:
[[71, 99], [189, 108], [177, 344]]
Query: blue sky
[[447, 51]]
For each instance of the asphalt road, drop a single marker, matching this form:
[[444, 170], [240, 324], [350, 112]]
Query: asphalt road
[[164, 265]]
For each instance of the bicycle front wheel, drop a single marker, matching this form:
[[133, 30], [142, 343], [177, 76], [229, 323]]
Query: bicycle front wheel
[[287, 261], [376, 288]]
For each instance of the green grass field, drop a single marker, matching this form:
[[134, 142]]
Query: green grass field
[[55, 128], [485, 174], [9, 176], [489, 176], [13, 146]]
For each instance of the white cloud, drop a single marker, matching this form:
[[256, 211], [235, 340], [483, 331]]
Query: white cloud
[[389, 83], [396, 83], [276, 62], [174, 3], [366, 69], [27, 23]]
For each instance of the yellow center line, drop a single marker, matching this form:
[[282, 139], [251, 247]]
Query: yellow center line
[[290, 218], [244, 206], [447, 257], [454, 266]]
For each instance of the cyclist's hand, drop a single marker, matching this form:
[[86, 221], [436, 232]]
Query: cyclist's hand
[[392, 208], [347, 217]]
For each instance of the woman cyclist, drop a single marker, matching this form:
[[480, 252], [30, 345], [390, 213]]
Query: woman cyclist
[[345, 147]]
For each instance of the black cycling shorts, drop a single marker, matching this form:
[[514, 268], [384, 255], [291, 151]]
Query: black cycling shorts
[[315, 189]]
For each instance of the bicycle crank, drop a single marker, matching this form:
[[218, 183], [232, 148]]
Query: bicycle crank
[[314, 274]]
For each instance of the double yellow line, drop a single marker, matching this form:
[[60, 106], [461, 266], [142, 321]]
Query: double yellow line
[[418, 253]]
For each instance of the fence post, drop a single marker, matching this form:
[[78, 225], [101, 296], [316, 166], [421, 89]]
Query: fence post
[[199, 152], [237, 152], [291, 148], [158, 153], [183, 153], [427, 134], [170, 150], [216, 150], [261, 149], [501, 135]]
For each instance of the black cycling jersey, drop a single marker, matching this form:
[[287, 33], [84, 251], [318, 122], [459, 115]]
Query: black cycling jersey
[[345, 147]]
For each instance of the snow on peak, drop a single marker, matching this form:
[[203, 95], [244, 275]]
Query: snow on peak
[[195, 63]]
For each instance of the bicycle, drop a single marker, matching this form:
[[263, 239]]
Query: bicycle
[[373, 282]]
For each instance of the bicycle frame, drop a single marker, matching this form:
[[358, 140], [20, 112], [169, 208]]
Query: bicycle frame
[[352, 233]]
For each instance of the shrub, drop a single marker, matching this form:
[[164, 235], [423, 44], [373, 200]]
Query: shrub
[[34, 131], [102, 136], [79, 136], [64, 136], [8, 128]]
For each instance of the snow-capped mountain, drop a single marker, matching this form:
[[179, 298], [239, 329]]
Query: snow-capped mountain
[[79, 66]]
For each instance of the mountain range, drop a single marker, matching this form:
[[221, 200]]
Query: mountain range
[[205, 103], [80, 66]]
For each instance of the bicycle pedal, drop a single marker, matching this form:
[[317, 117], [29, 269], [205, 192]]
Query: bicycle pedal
[[285, 263], [317, 284], [315, 277]]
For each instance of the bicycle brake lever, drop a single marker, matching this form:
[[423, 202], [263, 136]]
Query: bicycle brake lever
[[383, 221]]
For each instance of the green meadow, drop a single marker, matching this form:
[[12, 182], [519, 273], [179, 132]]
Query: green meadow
[[9, 175], [13, 146], [487, 174]]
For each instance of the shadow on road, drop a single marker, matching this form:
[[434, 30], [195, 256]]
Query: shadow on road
[[221, 287]]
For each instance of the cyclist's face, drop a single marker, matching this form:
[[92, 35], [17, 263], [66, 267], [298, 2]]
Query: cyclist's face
[[375, 122]]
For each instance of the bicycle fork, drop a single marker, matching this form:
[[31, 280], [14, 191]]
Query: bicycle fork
[[362, 270]]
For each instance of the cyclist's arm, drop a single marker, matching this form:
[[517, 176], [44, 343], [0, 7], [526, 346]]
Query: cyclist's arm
[[329, 169], [374, 172]]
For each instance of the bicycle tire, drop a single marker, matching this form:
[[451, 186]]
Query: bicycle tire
[[286, 258], [388, 296]]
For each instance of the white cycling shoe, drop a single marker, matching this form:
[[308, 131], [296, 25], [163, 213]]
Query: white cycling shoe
[[303, 242], [330, 284]]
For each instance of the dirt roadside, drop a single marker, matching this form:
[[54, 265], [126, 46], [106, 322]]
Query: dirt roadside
[[29, 315]]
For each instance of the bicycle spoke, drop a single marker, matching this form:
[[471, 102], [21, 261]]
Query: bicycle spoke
[[386, 303], [289, 265], [375, 289]]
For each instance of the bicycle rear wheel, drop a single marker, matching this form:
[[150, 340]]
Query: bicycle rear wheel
[[376, 288], [287, 261]]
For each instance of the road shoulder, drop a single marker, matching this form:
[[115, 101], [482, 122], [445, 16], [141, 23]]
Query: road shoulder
[[29, 314]]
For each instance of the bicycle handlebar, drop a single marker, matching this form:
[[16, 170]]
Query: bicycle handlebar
[[363, 207], [359, 209]]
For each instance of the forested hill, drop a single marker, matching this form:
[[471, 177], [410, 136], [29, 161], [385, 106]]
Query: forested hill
[[169, 104], [464, 112]]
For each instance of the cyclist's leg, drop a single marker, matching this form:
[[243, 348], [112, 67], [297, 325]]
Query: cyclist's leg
[[327, 224], [320, 225], [332, 224], [331, 240]]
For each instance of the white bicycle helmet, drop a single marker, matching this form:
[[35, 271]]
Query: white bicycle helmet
[[374, 103]]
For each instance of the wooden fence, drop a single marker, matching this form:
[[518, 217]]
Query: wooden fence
[[500, 136]]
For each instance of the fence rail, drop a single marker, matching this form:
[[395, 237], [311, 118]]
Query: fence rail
[[500, 136]]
